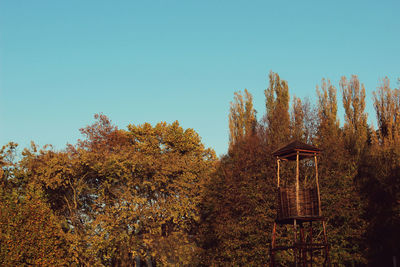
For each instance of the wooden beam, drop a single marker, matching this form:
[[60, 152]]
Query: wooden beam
[[278, 161], [295, 242], [297, 185], [311, 241], [316, 179]]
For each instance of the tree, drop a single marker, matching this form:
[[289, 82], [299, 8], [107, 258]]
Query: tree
[[341, 202], [30, 233], [378, 179], [277, 117], [242, 117], [126, 194], [303, 120], [297, 122], [355, 127], [379, 182], [327, 113], [237, 212], [387, 107]]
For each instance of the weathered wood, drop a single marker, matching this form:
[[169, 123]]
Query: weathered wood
[[289, 151], [297, 205], [297, 184], [272, 249], [278, 161], [295, 241], [328, 263], [287, 203], [311, 240], [273, 235], [303, 251], [316, 180], [308, 247]]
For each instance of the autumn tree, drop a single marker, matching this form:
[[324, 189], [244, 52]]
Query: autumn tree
[[340, 200], [387, 107], [303, 120], [378, 180], [297, 120], [242, 117], [155, 194], [30, 233], [238, 207], [125, 194], [69, 190], [166, 170], [355, 127], [7, 164], [328, 128], [277, 118]]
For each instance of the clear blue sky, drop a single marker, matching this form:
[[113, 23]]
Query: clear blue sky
[[149, 61]]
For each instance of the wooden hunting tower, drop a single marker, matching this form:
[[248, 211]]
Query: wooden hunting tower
[[299, 204]]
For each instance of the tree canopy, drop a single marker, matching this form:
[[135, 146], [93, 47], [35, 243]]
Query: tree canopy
[[154, 195]]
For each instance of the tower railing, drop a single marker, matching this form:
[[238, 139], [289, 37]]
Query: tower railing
[[287, 204]]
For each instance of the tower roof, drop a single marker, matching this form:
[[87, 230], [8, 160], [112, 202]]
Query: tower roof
[[289, 152]]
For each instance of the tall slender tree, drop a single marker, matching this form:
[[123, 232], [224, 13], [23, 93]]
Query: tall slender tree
[[327, 112], [277, 116], [341, 203], [355, 127], [297, 125], [387, 107], [242, 117]]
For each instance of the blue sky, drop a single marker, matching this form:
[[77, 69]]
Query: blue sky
[[149, 61]]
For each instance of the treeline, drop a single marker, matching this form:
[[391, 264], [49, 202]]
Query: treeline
[[155, 196]]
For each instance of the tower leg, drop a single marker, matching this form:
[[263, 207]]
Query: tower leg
[[295, 242], [311, 241], [327, 260], [271, 250], [303, 250]]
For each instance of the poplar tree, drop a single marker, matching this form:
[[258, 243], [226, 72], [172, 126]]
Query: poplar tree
[[340, 201], [355, 127], [379, 179], [297, 126], [242, 117], [277, 116], [387, 107], [328, 128], [238, 207]]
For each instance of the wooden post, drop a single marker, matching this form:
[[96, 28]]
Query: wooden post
[[297, 208], [327, 260], [278, 161], [303, 251], [273, 235], [297, 185], [272, 249], [295, 242], [311, 243], [316, 179]]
